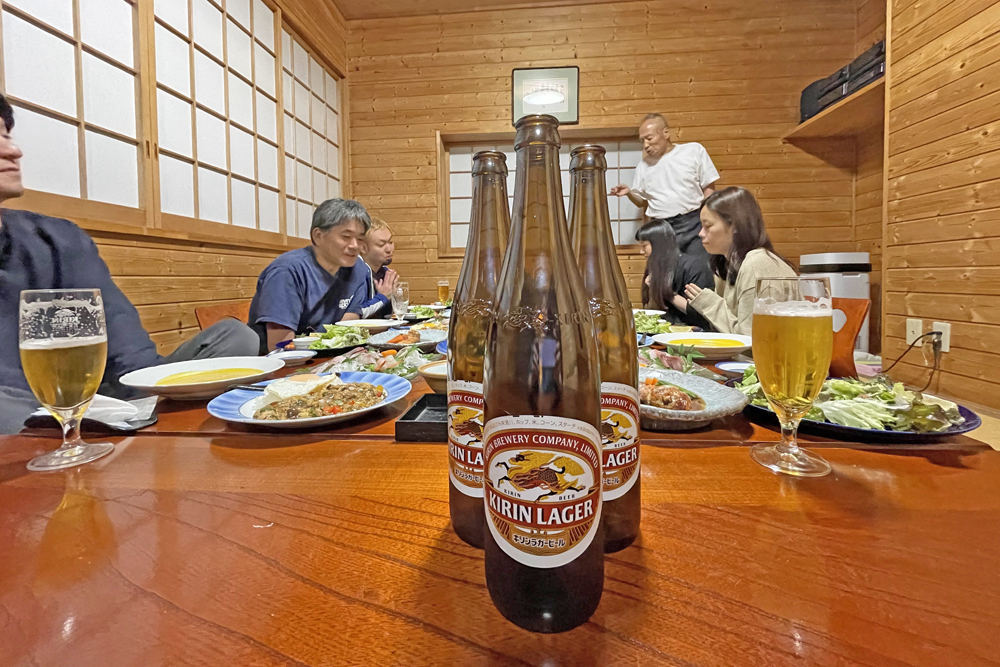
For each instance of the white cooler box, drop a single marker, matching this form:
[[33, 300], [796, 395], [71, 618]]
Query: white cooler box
[[848, 274]]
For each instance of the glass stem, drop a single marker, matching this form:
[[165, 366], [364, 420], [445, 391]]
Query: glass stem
[[788, 447], [71, 433]]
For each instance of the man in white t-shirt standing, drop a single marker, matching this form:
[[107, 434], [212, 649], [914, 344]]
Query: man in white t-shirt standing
[[671, 182]]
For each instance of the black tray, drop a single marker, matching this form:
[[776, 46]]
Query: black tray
[[426, 421]]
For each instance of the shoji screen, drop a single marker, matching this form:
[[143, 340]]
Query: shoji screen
[[216, 111], [70, 69]]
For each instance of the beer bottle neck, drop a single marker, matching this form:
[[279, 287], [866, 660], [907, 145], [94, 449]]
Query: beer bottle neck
[[593, 241], [539, 218], [488, 229]]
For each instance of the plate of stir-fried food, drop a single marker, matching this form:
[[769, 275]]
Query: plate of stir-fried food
[[671, 400], [303, 401]]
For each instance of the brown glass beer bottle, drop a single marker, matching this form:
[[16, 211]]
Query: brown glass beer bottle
[[617, 349], [471, 312], [544, 543]]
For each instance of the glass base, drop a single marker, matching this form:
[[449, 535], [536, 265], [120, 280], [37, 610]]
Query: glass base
[[804, 464], [72, 456]]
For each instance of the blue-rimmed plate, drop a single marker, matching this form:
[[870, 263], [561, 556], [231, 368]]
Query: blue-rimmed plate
[[428, 339], [238, 406]]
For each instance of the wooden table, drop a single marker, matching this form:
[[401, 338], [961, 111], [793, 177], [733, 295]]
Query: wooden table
[[239, 549]]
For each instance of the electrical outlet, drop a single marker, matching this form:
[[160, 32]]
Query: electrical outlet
[[914, 329], [945, 330]]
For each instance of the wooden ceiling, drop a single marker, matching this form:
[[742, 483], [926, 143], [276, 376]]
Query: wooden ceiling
[[378, 9]]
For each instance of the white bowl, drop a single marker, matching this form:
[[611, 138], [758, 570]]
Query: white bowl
[[435, 374], [373, 326], [303, 342], [710, 353], [294, 357], [647, 311], [720, 401], [145, 379]]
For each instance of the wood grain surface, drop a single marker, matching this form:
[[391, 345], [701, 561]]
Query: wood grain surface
[[943, 174], [245, 550]]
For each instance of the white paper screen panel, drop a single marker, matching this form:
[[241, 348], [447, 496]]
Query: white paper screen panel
[[625, 218], [235, 119], [53, 52], [312, 131], [51, 153]]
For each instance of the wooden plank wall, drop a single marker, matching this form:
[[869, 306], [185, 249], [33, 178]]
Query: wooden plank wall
[[943, 240], [727, 74], [167, 280], [869, 181]]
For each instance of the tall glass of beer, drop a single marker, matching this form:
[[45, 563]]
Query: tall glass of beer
[[64, 347], [443, 289], [792, 347]]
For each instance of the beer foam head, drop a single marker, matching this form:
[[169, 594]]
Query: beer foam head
[[818, 308], [60, 343]]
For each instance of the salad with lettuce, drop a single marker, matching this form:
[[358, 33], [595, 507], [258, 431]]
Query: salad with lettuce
[[652, 324], [340, 336], [876, 404], [422, 312]]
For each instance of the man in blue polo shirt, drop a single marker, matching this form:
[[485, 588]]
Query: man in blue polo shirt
[[323, 283]]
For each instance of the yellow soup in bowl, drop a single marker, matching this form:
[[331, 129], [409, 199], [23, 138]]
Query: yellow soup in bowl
[[708, 342], [196, 377]]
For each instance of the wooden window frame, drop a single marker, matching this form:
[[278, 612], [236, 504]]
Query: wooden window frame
[[445, 141], [148, 220], [90, 212]]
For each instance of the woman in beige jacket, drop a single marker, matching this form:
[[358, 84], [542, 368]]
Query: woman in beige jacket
[[732, 230]]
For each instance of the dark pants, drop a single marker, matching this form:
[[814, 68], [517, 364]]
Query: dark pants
[[687, 226], [228, 338]]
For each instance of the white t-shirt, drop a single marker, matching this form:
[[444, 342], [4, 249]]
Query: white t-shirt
[[673, 186]]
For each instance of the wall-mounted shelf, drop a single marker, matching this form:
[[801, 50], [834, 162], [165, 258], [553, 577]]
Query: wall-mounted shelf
[[854, 115]]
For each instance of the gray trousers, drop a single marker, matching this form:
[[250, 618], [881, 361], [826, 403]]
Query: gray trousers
[[227, 338]]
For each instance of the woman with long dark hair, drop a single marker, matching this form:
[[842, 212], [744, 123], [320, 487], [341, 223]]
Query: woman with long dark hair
[[733, 232], [668, 271]]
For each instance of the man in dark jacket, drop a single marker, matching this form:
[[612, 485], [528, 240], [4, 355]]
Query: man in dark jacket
[[39, 252]]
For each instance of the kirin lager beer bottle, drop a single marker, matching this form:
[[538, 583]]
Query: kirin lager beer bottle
[[544, 544], [617, 349], [471, 312]]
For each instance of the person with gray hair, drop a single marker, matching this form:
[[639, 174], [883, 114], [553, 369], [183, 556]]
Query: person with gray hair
[[323, 283]]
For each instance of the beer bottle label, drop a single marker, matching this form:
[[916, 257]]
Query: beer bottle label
[[543, 487], [620, 438], [465, 436]]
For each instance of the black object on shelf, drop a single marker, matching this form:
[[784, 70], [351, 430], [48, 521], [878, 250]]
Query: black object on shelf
[[426, 421], [863, 70]]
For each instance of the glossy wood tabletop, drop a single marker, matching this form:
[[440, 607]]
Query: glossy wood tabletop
[[252, 550]]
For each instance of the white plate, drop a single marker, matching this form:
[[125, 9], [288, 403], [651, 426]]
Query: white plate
[[373, 326], [145, 379], [734, 369], [304, 342], [720, 401], [294, 357], [711, 353], [428, 339], [648, 311], [438, 306]]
